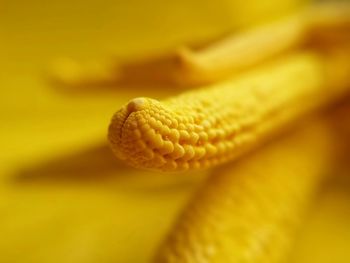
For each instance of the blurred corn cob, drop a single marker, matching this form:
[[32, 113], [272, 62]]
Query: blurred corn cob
[[249, 211], [202, 128], [219, 59]]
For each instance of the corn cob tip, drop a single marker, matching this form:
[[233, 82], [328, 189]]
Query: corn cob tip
[[136, 104], [129, 128], [148, 134]]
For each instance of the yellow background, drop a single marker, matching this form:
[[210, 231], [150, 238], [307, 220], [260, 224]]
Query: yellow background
[[63, 197]]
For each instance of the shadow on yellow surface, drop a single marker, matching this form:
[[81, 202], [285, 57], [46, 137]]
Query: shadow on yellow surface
[[97, 165]]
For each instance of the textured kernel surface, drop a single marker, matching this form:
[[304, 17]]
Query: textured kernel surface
[[215, 124], [248, 211]]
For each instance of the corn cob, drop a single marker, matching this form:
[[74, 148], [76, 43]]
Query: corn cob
[[236, 52], [249, 211], [205, 127], [213, 61]]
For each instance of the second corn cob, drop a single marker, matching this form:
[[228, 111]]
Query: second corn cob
[[249, 211], [203, 128]]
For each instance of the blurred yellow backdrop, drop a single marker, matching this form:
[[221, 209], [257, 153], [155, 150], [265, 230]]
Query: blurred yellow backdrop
[[63, 198]]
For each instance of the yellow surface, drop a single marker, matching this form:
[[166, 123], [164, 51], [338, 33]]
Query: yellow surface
[[62, 200]]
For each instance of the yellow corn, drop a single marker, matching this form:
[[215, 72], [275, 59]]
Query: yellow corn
[[249, 211], [211, 62], [205, 127]]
